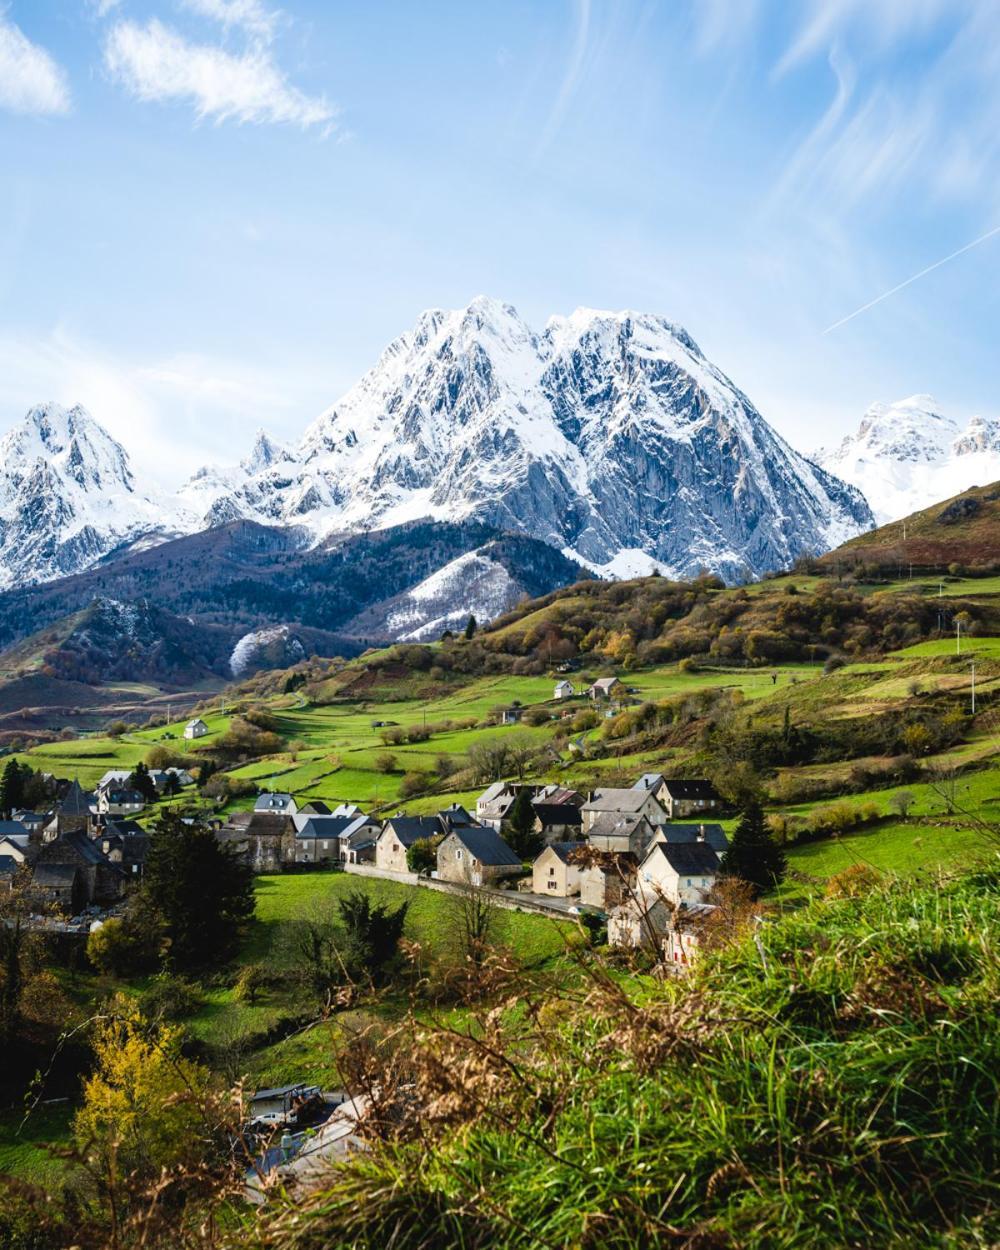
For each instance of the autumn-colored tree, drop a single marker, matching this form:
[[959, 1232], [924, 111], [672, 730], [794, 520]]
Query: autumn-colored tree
[[144, 1107]]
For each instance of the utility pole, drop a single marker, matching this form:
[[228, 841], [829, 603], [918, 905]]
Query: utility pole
[[973, 667], [958, 637]]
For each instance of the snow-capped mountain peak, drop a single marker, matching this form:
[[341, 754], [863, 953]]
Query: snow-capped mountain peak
[[906, 455], [68, 496], [606, 435]]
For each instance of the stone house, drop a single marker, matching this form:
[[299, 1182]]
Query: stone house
[[398, 835], [607, 881], [604, 688], [557, 822], [679, 872], [96, 879], [684, 939], [476, 855], [620, 833], [555, 871], [632, 924], [683, 799], [275, 804], [625, 802]]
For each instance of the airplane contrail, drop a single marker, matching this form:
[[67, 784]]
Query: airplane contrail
[[923, 273]]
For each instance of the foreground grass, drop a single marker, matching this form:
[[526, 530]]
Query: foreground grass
[[836, 1086]]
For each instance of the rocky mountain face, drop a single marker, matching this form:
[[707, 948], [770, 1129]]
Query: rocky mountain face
[[606, 440], [907, 455], [608, 436], [68, 497]]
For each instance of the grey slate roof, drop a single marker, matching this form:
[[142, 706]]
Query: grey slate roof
[[485, 845], [611, 800], [8, 865], [323, 827], [14, 828], [691, 791], [277, 802], [410, 829], [649, 781], [558, 813], [54, 876], [564, 850], [688, 859], [715, 835], [76, 802]]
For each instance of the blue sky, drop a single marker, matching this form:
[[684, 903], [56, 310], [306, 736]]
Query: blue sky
[[215, 213]]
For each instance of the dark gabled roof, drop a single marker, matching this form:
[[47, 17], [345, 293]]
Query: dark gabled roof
[[125, 796], [315, 807], [617, 800], [691, 790], [410, 829], [267, 824], [617, 824], [271, 802], [324, 827], [8, 865], [486, 845], [124, 828], [76, 802], [558, 813], [15, 827], [455, 815], [714, 835], [48, 876], [564, 850], [694, 859]]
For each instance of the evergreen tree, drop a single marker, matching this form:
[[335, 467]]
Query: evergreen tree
[[470, 627], [372, 934], [523, 839], [141, 780], [12, 788], [199, 889], [753, 855]]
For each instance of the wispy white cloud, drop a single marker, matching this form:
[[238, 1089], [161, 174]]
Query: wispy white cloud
[[251, 16], [172, 414], [30, 79], [155, 63], [571, 76]]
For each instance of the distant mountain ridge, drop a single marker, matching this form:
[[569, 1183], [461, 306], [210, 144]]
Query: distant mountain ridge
[[906, 455], [608, 436], [68, 497]]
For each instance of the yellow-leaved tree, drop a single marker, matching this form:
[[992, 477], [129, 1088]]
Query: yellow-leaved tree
[[146, 1107]]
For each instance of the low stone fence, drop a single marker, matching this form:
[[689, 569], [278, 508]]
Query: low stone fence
[[510, 900]]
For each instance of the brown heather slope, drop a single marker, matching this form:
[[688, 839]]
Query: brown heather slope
[[964, 530]]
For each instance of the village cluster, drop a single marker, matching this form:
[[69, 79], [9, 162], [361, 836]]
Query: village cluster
[[645, 856]]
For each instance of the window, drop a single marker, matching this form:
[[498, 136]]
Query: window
[[552, 872], [551, 885], [326, 846], [458, 854]]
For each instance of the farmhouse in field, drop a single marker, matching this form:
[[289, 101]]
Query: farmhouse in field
[[475, 855], [564, 690], [195, 728], [604, 688]]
